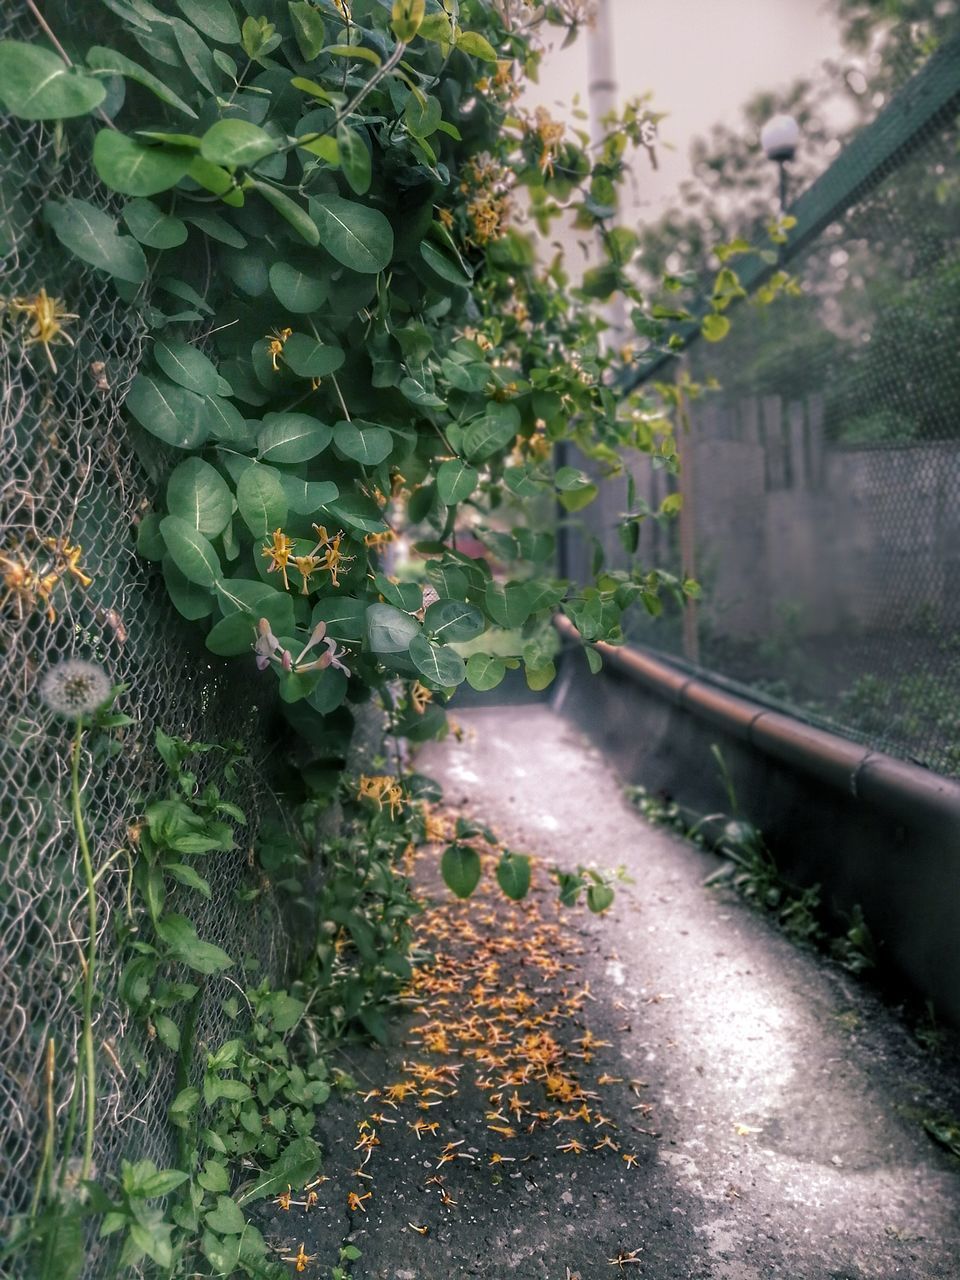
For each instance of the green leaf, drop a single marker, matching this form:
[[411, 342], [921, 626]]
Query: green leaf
[[187, 876], [183, 1107], [171, 413], [328, 692], [232, 143], [442, 666], [594, 659], [507, 603], [149, 543], [215, 18], [406, 17], [180, 937], [233, 635], [407, 596], [325, 147], [364, 442], [359, 237], [214, 1176], [134, 169], [226, 1218], [297, 1165], [298, 218], [153, 227], [491, 433], [522, 483], [295, 290], [389, 630], [305, 497], [308, 28], [345, 617], [418, 394], [217, 228], [577, 499], [92, 236], [715, 327], [261, 500], [436, 27], [460, 868], [570, 479], [190, 551], [513, 875], [375, 1024], [198, 494], [36, 84], [251, 595], [189, 600], [292, 437], [309, 357], [226, 422], [478, 46], [422, 115], [540, 677], [599, 897], [354, 158], [186, 366], [358, 511], [485, 671], [100, 58], [456, 481], [451, 621], [444, 266]]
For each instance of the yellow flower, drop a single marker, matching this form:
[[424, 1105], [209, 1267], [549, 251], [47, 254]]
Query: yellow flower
[[355, 1201], [275, 341], [278, 553], [47, 315], [550, 132], [303, 1258], [377, 540], [420, 696], [380, 788], [307, 566]]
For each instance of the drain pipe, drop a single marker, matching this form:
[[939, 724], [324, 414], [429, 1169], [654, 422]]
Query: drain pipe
[[904, 790]]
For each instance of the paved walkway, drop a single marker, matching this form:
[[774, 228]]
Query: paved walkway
[[774, 1108]]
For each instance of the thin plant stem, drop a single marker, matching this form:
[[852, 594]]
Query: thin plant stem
[[45, 1172], [89, 1064]]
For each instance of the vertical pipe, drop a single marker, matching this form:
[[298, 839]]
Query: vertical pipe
[[688, 537]]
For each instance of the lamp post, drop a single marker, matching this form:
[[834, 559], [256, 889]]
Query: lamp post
[[779, 138]]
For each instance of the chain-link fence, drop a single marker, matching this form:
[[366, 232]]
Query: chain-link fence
[[821, 484], [72, 491]]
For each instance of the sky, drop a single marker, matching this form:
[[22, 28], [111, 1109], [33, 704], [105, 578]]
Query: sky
[[702, 59]]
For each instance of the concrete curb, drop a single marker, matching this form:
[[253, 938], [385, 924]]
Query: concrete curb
[[874, 831]]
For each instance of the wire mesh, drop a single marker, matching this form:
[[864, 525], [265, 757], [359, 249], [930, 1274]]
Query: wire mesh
[[822, 482], [71, 480]]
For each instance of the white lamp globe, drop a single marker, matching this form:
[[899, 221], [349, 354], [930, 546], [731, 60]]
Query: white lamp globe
[[779, 137]]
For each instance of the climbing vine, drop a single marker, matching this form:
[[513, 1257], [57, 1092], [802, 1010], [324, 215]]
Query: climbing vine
[[324, 223]]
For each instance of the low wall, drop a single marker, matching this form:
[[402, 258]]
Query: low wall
[[869, 829]]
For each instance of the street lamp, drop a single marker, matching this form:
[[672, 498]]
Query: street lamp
[[779, 138]]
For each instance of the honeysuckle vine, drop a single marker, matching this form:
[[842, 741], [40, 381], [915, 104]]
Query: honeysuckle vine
[[324, 216]]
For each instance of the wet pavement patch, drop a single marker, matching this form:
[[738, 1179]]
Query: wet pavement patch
[[671, 1091]]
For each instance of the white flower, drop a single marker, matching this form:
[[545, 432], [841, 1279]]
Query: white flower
[[75, 688]]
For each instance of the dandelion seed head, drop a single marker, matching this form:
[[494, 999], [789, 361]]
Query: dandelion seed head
[[75, 688]]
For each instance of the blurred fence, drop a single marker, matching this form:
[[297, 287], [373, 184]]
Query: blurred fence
[[71, 491], [822, 482]]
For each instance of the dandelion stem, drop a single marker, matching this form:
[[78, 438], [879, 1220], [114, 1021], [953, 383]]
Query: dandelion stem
[[90, 1074]]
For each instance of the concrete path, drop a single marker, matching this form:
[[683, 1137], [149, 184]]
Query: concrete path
[[776, 1107]]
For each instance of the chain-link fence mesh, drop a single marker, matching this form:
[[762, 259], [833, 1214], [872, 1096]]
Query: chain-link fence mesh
[[822, 482], [71, 492]]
